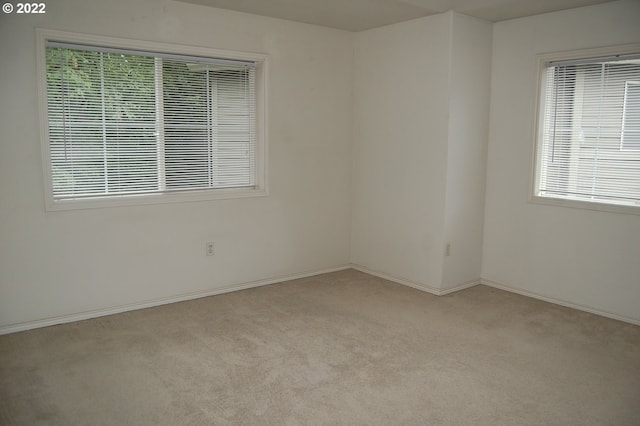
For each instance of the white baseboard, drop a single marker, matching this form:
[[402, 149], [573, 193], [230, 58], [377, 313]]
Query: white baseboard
[[413, 284], [556, 301], [258, 283], [163, 301], [458, 287]]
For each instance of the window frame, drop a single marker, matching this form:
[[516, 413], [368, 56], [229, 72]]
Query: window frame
[[536, 158], [262, 61]]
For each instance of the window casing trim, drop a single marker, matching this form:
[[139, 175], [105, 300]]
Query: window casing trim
[[261, 189], [542, 62]]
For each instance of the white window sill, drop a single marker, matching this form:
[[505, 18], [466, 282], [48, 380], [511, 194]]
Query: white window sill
[[165, 198], [578, 204]]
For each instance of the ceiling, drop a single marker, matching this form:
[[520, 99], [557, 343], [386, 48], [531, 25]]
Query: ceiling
[[358, 15]]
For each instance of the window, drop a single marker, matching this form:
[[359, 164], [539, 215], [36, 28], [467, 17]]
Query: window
[[125, 123], [588, 141]]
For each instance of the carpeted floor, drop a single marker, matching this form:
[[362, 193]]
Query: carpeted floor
[[341, 348]]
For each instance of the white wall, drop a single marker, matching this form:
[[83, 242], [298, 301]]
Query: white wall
[[60, 263], [400, 148], [469, 87], [375, 157], [421, 128], [581, 257]]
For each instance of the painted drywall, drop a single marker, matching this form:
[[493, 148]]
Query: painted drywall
[[469, 95], [582, 257], [421, 126], [399, 149], [374, 158], [60, 263]]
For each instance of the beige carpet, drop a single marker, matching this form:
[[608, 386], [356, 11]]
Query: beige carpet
[[341, 348]]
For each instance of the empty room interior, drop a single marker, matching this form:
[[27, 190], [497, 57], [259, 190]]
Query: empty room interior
[[320, 212]]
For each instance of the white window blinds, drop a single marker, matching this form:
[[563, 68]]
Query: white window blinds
[[631, 116], [589, 147], [126, 122]]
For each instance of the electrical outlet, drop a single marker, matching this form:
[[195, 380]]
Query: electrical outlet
[[210, 249]]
